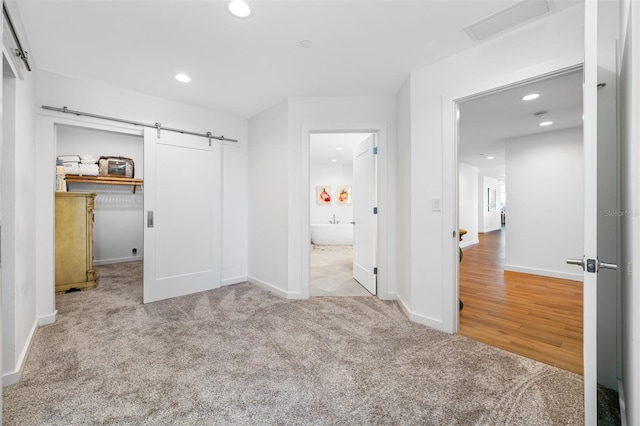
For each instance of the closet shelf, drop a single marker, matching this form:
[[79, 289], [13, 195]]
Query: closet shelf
[[106, 180]]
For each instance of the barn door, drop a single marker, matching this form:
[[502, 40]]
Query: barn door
[[182, 210]]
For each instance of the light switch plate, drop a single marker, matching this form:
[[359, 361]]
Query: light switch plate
[[435, 205]]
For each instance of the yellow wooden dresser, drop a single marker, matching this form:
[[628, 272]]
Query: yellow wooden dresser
[[74, 241]]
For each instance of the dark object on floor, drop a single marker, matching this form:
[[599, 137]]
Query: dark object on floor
[[608, 407]]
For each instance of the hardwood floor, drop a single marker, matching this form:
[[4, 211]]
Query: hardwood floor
[[533, 316]]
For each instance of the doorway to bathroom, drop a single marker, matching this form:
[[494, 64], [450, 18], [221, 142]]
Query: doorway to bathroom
[[342, 220]]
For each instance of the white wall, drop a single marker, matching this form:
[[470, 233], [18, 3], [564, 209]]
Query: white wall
[[57, 90], [19, 214], [468, 203], [279, 163], [334, 175], [403, 196], [630, 140], [540, 47], [546, 204], [268, 199], [488, 219], [118, 225]]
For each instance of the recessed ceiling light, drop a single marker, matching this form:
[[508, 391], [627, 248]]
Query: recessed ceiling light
[[490, 158], [546, 123], [530, 97], [183, 78], [334, 161], [239, 8], [306, 44], [338, 148]]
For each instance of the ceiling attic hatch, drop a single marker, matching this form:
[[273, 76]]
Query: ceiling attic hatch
[[509, 18]]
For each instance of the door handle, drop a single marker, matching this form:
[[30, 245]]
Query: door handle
[[607, 265], [150, 219], [578, 262], [592, 265]]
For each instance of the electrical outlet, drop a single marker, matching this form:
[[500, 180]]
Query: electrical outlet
[[134, 251]]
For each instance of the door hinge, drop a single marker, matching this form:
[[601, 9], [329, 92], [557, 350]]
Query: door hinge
[[375, 271], [375, 150], [375, 210]]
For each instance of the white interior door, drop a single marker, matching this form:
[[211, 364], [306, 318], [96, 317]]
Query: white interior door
[[182, 192], [364, 216], [600, 233]]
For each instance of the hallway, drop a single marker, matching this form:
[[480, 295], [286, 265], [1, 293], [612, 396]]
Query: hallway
[[534, 316]]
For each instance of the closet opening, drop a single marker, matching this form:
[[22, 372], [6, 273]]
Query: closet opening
[[98, 207]]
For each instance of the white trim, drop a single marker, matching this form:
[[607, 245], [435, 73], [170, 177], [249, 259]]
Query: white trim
[[386, 217], [48, 319], [392, 295], [45, 132], [234, 280], [275, 290], [13, 377], [421, 319], [544, 272], [450, 100], [118, 260], [469, 243]]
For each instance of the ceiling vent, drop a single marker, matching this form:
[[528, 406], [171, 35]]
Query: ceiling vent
[[508, 18]]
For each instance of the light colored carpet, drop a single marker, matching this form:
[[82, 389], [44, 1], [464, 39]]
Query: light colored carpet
[[240, 355]]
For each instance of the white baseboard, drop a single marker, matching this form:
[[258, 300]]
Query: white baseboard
[[469, 243], [544, 272], [13, 377], [420, 319], [269, 287], [623, 404], [234, 280], [388, 296], [118, 260], [275, 290], [47, 319]]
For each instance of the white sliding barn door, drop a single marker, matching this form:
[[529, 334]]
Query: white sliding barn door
[[182, 211], [364, 202]]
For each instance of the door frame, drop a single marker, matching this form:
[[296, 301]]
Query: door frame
[[385, 290], [557, 73], [45, 132], [450, 116]]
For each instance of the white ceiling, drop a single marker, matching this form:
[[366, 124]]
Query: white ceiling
[[326, 147], [243, 66], [486, 122]]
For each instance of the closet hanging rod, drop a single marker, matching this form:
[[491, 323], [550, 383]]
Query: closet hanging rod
[[158, 126]]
